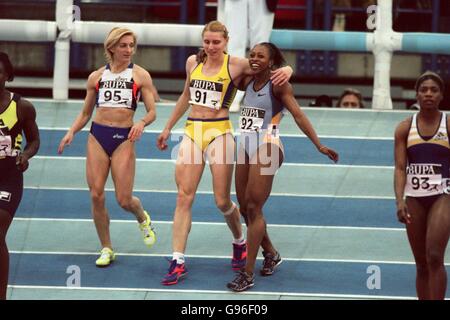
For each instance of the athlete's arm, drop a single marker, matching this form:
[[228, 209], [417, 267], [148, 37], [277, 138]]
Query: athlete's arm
[[27, 115], [145, 81], [400, 155], [180, 108], [286, 95], [85, 114], [279, 76]]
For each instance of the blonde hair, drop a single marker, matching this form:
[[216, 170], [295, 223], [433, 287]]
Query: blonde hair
[[216, 26], [113, 38]]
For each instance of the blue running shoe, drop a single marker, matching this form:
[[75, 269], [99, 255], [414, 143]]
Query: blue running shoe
[[239, 256], [176, 272]]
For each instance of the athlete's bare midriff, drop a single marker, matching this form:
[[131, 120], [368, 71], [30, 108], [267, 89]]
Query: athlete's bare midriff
[[114, 117], [200, 112]]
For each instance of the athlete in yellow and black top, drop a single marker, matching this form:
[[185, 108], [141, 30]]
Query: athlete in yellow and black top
[[16, 116], [214, 92], [421, 182], [209, 90]]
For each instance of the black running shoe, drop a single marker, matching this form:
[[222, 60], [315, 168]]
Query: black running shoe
[[270, 263], [242, 282]]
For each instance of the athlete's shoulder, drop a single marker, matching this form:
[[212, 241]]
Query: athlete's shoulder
[[403, 127]]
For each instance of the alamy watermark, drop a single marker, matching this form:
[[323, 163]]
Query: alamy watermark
[[74, 280], [374, 280], [371, 22]]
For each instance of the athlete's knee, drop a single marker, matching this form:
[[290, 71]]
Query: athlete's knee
[[185, 199], [422, 269], [253, 204], [125, 202], [435, 259], [226, 206], [97, 196]]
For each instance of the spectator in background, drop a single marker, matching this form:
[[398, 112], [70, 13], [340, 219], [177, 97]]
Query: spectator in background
[[350, 98], [249, 22], [322, 101]]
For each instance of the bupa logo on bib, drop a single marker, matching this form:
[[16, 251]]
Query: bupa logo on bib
[[252, 112], [207, 85], [423, 169]]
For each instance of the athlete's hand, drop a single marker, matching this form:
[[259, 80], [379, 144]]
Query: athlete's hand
[[22, 162], [333, 155], [281, 76], [402, 212], [136, 131], [161, 142], [66, 140]]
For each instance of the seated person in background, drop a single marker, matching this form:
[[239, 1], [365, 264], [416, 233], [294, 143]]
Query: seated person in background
[[322, 101], [350, 98]]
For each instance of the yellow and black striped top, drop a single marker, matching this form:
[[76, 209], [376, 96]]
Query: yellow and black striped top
[[10, 130], [215, 91]]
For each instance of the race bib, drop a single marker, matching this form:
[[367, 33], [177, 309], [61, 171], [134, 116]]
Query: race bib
[[5, 146], [206, 93], [115, 98], [423, 180], [251, 119]]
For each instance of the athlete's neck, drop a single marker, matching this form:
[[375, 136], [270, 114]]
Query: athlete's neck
[[5, 97], [429, 115], [261, 78], [118, 67], [214, 61]]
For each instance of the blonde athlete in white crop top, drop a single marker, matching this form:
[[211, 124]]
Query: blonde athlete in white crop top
[[110, 147]]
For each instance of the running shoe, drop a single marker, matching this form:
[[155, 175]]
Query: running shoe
[[177, 271], [242, 282], [239, 256], [148, 232], [270, 263], [107, 256]]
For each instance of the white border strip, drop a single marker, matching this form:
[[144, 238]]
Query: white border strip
[[287, 226], [168, 255], [291, 164], [250, 293], [291, 135], [368, 197]]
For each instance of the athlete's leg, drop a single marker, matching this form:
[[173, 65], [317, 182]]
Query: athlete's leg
[[241, 180], [123, 167], [258, 190], [438, 232], [220, 154], [97, 170], [188, 172], [416, 231], [5, 222]]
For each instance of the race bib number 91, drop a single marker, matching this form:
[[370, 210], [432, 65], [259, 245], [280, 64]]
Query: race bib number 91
[[206, 93]]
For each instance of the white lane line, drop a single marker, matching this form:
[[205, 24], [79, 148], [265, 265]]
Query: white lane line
[[291, 164], [168, 255], [289, 135], [287, 226], [276, 194], [250, 293]]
